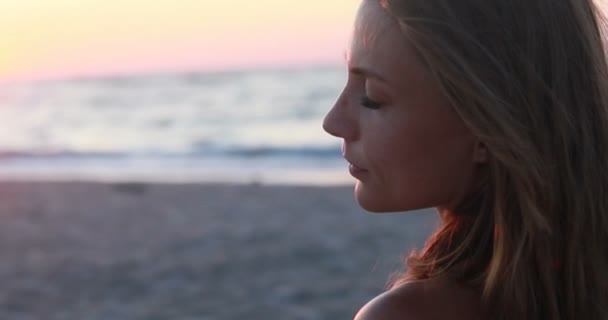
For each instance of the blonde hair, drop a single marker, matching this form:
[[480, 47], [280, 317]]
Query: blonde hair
[[530, 80]]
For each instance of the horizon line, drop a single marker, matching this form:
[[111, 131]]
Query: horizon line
[[116, 75]]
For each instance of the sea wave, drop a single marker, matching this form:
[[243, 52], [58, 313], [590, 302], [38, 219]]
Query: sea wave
[[216, 153]]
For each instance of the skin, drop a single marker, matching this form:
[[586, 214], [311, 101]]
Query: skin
[[411, 152], [421, 300]]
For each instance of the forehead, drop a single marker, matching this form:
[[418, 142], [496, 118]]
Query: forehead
[[371, 24], [377, 39]]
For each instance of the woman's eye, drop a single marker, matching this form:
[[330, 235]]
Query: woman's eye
[[369, 103]]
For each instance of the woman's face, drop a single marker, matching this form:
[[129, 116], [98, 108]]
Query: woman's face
[[407, 148]]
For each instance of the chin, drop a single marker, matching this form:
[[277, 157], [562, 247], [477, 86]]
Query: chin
[[377, 201], [374, 202]]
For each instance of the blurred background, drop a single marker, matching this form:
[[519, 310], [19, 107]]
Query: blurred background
[[163, 90], [165, 160]]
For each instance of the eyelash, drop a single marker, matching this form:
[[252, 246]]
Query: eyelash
[[369, 103]]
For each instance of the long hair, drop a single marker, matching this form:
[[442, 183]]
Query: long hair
[[530, 80]]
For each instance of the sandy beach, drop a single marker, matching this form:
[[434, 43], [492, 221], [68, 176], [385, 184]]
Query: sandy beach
[[76, 250]]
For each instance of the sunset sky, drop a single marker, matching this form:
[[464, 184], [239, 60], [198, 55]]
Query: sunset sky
[[44, 39]]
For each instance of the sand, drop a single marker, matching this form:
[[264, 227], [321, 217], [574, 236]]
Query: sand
[[79, 250]]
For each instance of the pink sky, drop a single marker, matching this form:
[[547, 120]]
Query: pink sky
[[71, 38]]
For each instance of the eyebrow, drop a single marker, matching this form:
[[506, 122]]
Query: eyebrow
[[367, 73], [361, 71]]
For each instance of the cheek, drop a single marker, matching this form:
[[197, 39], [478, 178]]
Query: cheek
[[416, 170], [388, 163]]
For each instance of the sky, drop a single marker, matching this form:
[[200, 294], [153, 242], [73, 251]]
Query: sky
[[49, 39]]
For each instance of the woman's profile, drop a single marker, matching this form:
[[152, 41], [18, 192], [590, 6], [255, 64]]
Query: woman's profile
[[495, 113]]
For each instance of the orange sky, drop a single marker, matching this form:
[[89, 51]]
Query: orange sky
[[65, 38]]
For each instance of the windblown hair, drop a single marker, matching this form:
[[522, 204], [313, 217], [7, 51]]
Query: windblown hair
[[530, 80]]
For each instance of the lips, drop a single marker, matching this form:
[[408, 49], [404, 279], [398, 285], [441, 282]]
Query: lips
[[355, 167], [352, 163], [355, 170]]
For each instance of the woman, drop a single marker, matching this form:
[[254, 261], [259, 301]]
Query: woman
[[496, 113]]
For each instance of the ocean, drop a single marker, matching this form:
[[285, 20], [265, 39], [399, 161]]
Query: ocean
[[249, 127]]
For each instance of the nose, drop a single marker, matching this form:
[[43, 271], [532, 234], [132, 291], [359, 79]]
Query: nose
[[339, 121]]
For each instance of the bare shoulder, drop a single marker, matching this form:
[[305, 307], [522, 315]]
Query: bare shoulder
[[425, 300]]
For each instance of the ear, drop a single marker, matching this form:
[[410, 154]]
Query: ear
[[480, 153]]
